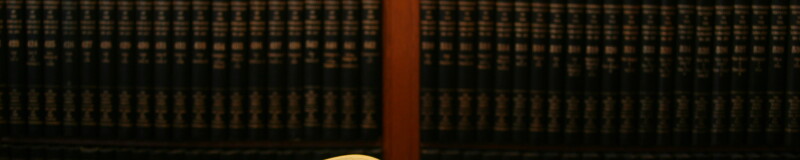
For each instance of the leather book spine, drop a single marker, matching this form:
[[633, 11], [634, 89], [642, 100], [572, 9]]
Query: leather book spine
[[69, 67], [276, 65], [520, 69], [88, 64], [52, 75], [349, 73], [610, 63], [34, 67], [721, 72], [740, 57], [465, 57], [503, 70], [575, 66], [485, 73], [683, 73], [556, 69], [538, 72], [220, 54], [758, 67], [629, 75], [592, 72], [701, 103], [294, 69], [124, 67], [666, 63], [256, 75], [237, 70], [428, 60], [648, 73], [161, 69], [108, 47], [446, 70], [143, 63], [332, 125], [370, 69], [200, 67], [180, 32], [312, 76], [776, 79]]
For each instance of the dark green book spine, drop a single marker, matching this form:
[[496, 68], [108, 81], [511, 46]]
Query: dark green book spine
[[51, 69], [34, 67], [792, 127], [348, 68], [69, 59], [538, 72], [446, 69], [312, 68], [629, 65], [16, 66], [107, 58], [220, 34], [332, 128], [520, 69], [200, 67], [612, 36], [740, 58], [237, 70], [485, 73], [465, 65], [180, 75], [721, 72], [256, 75], [592, 72], [556, 70], [759, 68], [428, 74], [276, 64], [125, 66], [89, 65], [370, 69], [575, 54], [294, 69], [776, 79], [666, 63], [161, 68], [503, 70], [683, 73], [648, 73], [143, 72], [704, 45]]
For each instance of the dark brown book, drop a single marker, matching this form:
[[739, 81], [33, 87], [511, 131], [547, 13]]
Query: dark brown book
[[294, 69], [180, 73], [556, 70], [575, 65], [107, 62], [3, 81], [220, 55], [34, 67], [331, 51], [538, 71], [704, 34], [648, 73], [16, 44], [485, 73], [143, 73], [349, 73], [125, 66], [629, 66], [758, 68], [520, 66], [721, 72], [88, 65], [465, 85], [312, 69], [792, 130], [612, 36], [52, 67], [161, 68], [428, 74], [503, 69], [69, 60], [592, 72], [666, 63], [740, 58], [370, 69], [276, 64], [446, 70], [256, 60], [237, 70], [683, 72]]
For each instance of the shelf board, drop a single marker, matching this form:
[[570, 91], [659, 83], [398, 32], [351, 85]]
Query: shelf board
[[612, 148], [193, 144]]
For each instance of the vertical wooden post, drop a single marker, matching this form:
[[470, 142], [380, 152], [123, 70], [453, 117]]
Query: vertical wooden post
[[401, 139]]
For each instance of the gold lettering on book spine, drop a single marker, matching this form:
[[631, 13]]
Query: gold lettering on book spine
[[275, 105], [348, 110], [106, 109], [255, 110], [87, 108], [161, 110], [236, 110], [33, 109]]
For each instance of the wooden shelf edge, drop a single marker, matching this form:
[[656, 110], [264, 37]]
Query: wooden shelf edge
[[613, 148], [193, 144]]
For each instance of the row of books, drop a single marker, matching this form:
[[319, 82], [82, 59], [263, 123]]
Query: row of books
[[611, 72], [191, 69], [40, 152], [452, 154]]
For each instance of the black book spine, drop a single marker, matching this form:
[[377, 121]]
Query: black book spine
[[740, 58], [758, 68], [428, 74], [484, 73], [311, 55], [69, 59], [704, 45], [575, 54], [34, 67], [792, 128], [179, 59], [200, 67], [776, 79], [629, 65], [294, 69], [51, 71], [666, 62], [331, 126], [538, 71], [592, 72], [3, 81], [124, 63], [721, 72], [256, 75], [276, 64], [648, 72], [16, 66], [161, 68], [237, 69], [446, 69], [466, 72], [612, 10], [556, 70], [503, 69], [105, 78], [683, 73], [220, 30], [88, 59], [348, 68], [143, 72], [370, 69], [520, 69]]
